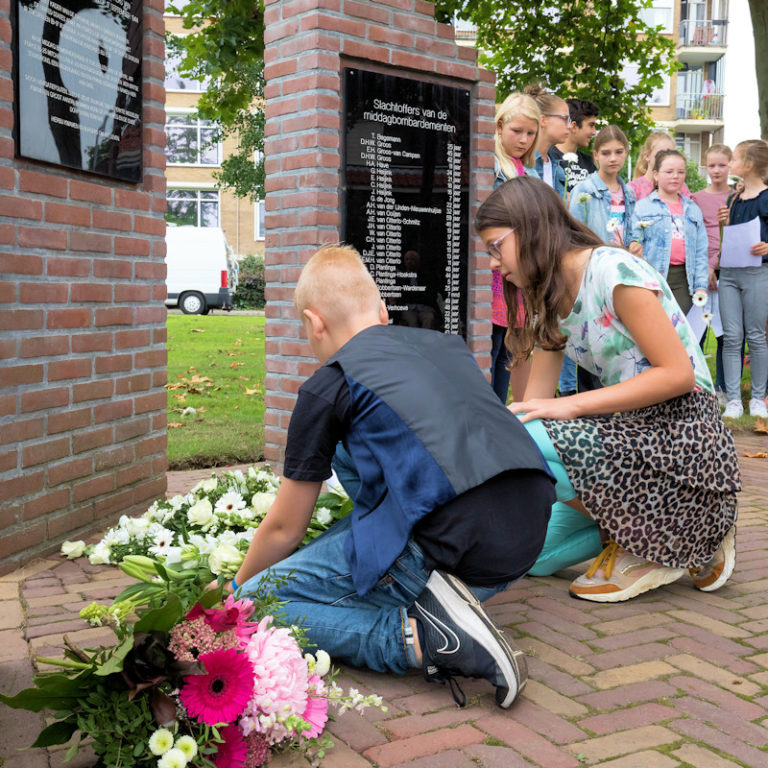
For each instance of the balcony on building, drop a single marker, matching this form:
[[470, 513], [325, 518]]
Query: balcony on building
[[703, 33], [697, 112]]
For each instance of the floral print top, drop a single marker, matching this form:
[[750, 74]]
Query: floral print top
[[597, 339]]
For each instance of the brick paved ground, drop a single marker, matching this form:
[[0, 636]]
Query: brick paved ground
[[673, 679]]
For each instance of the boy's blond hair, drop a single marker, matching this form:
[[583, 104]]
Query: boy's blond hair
[[336, 283]]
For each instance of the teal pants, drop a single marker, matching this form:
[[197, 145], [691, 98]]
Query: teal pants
[[571, 537]]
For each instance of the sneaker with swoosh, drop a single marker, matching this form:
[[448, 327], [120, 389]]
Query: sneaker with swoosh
[[459, 639]]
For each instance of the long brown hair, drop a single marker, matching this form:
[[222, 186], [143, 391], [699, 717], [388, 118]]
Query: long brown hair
[[545, 232]]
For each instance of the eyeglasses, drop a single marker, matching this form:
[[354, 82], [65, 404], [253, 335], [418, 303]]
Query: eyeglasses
[[566, 118], [493, 248]]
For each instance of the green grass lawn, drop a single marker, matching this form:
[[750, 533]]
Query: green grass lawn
[[216, 366]]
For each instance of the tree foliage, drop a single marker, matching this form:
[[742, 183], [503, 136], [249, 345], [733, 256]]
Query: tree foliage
[[577, 48], [223, 45]]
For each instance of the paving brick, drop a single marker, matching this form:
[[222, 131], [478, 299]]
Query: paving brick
[[554, 728], [551, 700], [640, 652], [723, 719], [445, 759], [641, 621], [714, 674], [627, 639], [11, 615], [624, 742], [525, 741], [623, 719], [701, 732], [713, 625], [632, 673], [645, 759], [495, 757], [405, 727], [555, 656], [699, 757], [426, 744], [556, 679]]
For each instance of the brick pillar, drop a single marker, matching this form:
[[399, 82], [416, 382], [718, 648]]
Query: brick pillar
[[82, 331], [308, 42]]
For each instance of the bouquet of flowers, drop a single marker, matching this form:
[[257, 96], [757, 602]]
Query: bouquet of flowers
[[211, 526], [196, 678]]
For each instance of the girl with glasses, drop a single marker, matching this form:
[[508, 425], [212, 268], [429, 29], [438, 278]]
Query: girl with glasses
[[645, 460]]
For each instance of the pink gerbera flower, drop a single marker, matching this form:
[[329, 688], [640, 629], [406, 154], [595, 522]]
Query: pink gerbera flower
[[234, 751], [316, 713], [221, 694]]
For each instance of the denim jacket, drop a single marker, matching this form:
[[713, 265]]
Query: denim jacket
[[596, 211], [652, 227], [558, 172], [501, 176]]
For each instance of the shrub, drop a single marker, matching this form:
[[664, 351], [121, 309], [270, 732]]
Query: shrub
[[250, 287]]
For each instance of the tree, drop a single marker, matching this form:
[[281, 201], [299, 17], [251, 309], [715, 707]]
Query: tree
[[759, 12], [225, 47], [577, 48]]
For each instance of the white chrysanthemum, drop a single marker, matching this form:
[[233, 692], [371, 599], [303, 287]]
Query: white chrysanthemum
[[188, 746], [230, 503], [73, 549], [612, 225], [173, 758], [700, 298], [101, 555], [201, 514], [261, 502], [176, 502], [160, 741], [323, 515], [227, 537], [583, 198], [136, 527], [570, 157]]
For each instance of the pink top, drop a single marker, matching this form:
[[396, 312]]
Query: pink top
[[642, 188], [709, 202], [499, 305], [677, 249]]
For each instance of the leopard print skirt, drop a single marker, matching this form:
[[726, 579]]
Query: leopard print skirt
[[661, 481]]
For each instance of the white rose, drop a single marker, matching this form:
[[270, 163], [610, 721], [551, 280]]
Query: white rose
[[322, 663], [100, 555], [201, 514], [261, 502], [73, 549], [206, 485], [225, 560], [323, 515]]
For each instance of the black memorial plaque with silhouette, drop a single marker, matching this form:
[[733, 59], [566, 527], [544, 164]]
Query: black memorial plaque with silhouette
[[405, 190], [78, 84]]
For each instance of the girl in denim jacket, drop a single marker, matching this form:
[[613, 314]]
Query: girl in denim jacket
[[603, 201], [671, 230]]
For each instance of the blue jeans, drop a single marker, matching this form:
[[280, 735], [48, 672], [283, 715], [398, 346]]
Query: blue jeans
[[499, 362], [370, 631], [567, 382], [744, 310]]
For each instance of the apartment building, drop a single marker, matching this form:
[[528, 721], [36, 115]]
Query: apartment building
[[193, 195], [690, 102]]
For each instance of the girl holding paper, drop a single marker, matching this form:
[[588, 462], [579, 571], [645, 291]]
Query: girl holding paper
[[744, 290]]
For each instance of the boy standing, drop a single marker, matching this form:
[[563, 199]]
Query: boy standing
[[583, 128], [453, 493]]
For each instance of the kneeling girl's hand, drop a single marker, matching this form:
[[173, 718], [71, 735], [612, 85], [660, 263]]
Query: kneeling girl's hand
[[546, 408]]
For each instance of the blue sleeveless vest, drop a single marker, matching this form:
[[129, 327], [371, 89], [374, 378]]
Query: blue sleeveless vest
[[425, 427]]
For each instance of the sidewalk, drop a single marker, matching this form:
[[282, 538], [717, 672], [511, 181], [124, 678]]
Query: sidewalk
[[673, 679]]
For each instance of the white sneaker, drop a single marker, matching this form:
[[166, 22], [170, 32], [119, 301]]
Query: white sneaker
[[757, 408], [733, 410]]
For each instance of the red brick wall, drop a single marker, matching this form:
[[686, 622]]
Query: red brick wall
[[308, 42], [82, 331]]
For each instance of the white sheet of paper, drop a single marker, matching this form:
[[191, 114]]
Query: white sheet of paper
[[737, 240], [696, 319]]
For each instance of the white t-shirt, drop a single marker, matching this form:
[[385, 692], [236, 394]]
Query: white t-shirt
[[546, 176]]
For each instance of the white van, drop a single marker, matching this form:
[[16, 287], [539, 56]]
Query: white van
[[201, 269]]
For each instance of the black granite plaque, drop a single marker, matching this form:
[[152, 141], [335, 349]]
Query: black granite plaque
[[78, 84], [406, 194]]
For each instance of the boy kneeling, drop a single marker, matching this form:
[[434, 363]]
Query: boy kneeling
[[453, 493]]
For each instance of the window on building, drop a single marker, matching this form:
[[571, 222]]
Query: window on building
[[690, 145], [190, 141], [193, 207], [659, 96], [661, 13], [258, 220], [176, 82]]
